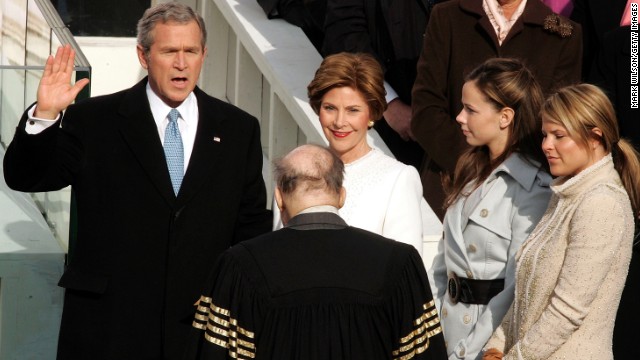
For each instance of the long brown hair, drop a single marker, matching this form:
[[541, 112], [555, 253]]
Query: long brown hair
[[579, 109], [505, 83]]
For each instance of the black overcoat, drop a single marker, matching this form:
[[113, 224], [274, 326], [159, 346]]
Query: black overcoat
[[142, 253]]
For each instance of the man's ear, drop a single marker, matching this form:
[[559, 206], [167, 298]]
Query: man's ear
[[142, 57], [278, 196], [284, 213], [343, 197], [506, 117]]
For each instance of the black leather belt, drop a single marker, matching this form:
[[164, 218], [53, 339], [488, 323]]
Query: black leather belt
[[472, 291]]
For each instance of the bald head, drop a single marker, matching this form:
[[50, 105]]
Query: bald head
[[310, 175]]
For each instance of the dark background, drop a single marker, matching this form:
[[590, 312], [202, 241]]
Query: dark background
[[115, 18]]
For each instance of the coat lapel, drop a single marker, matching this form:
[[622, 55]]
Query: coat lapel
[[488, 214], [139, 130], [475, 7], [206, 149], [534, 13], [454, 226]]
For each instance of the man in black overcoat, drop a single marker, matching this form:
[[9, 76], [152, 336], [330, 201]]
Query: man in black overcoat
[[147, 236]]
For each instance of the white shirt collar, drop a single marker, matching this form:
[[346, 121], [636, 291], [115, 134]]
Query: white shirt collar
[[320, 208], [188, 109]]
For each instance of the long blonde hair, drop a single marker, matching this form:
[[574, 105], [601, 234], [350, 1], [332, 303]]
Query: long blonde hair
[[579, 109]]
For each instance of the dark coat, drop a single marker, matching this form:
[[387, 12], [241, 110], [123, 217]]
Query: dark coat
[[612, 72], [302, 295], [460, 37], [596, 17], [142, 255]]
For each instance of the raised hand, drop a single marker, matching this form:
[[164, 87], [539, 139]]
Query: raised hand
[[55, 91]]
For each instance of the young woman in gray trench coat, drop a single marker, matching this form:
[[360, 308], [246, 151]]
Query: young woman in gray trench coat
[[500, 191]]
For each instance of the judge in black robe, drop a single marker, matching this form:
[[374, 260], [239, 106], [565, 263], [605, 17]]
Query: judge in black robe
[[318, 288]]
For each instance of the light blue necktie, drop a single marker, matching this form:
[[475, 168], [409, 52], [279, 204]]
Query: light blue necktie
[[173, 150]]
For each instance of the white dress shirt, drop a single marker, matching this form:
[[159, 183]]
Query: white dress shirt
[[187, 122]]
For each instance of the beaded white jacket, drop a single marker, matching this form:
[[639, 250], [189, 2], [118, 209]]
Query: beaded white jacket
[[571, 271]]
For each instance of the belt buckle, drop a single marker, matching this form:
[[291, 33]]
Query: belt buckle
[[453, 288]]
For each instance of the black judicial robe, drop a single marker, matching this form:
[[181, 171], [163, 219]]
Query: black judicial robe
[[318, 289]]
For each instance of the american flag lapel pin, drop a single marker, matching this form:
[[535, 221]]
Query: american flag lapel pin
[[216, 139]]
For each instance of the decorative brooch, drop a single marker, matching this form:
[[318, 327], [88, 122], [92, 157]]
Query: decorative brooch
[[558, 25]]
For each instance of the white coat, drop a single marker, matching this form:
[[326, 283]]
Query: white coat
[[513, 198], [384, 196]]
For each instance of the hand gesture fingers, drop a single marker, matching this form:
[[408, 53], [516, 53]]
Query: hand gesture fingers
[[55, 91]]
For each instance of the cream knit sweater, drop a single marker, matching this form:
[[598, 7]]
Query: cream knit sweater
[[571, 271]]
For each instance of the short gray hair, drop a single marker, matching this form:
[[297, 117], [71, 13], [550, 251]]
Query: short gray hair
[[163, 13]]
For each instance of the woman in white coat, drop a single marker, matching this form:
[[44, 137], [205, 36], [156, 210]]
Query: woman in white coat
[[498, 193], [384, 196]]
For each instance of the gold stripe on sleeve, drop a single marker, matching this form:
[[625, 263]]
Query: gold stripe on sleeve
[[222, 329], [417, 341]]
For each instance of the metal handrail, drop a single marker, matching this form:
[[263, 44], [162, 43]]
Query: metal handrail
[[57, 33], [62, 32]]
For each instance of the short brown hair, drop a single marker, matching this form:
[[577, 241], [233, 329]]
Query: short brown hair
[[359, 71]]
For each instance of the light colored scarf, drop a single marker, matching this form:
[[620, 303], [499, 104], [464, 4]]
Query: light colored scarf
[[500, 23]]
